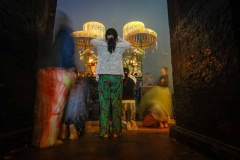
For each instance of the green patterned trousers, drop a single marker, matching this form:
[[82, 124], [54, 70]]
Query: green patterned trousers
[[110, 98]]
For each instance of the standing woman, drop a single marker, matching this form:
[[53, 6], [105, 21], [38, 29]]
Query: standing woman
[[109, 74]]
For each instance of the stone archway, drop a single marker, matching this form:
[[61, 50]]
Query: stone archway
[[206, 84]]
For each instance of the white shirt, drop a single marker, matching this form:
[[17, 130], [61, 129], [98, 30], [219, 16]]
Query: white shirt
[[110, 63]]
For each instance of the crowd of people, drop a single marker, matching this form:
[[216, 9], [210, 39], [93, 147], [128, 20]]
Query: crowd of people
[[61, 107]]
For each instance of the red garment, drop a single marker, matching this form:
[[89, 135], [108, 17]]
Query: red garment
[[53, 87]]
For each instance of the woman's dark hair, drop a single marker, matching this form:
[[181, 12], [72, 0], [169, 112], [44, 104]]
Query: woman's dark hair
[[126, 73], [112, 41]]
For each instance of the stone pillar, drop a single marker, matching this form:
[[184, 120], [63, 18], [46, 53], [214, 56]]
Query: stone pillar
[[206, 76], [26, 32]]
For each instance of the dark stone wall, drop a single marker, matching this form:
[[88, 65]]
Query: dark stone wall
[[26, 28], [204, 37]]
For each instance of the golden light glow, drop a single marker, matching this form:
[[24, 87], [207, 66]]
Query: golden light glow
[[98, 29], [131, 26], [83, 34], [142, 38], [139, 36], [90, 60], [82, 39], [90, 30]]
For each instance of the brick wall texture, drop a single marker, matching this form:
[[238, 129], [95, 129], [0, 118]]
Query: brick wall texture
[[24, 25], [205, 60]]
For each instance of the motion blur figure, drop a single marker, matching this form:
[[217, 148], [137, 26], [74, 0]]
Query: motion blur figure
[[56, 73], [156, 104], [76, 111]]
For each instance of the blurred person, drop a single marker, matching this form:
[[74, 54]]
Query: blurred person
[[76, 111], [148, 80], [156, 104], [109, 74], [128, 101], [55, 75]]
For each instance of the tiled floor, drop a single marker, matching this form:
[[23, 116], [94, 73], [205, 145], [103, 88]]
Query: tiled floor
[[141, 144]]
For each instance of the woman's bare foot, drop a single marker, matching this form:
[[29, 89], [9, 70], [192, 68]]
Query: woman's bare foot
[[57, 142], [115, 135], [134, 125], [105, 135], [165, 124], [161, 125], [62, 133], [129, 128], [73, 132]]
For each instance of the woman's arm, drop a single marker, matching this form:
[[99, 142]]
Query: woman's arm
[[124, 43], [95, 42]]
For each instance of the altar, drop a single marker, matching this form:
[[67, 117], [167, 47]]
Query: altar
[[140, 37]]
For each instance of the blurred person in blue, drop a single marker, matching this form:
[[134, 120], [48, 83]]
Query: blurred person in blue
[[56, 74], [76, 111]]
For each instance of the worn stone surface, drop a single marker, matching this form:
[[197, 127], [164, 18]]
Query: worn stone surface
[[205, 59], [204, 145], [144, 143], [205, 62], [23, 26]]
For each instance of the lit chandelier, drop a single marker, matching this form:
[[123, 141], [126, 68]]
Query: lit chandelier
[[131, 26], [82, 40], [141, 38], [90, 30], [98, 29]]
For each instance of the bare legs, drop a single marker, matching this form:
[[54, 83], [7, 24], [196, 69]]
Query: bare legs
[[62, 133], [73, 132], [129, 114]]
